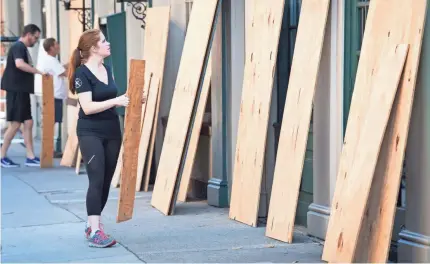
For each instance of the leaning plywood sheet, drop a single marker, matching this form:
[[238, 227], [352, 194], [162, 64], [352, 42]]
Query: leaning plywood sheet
[[260, 66], [47, 155], [154, 53], [189, 80], [348, 211], [132, 130], [383, 32], [375, 236], [296, 119], [70, 150], [195, 135]]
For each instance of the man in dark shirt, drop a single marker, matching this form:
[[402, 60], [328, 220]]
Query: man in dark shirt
[[18, 82]]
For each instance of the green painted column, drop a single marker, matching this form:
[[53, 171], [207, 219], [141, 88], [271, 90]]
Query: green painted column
[[218, 184]]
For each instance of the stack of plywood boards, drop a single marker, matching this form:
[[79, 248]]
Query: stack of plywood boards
[[156, 35], [368, 179], [186, 99], [260, 65], [296, 119]]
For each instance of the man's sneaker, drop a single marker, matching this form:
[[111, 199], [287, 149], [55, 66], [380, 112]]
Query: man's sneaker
[[32, 162], [7, 163], [101, 240]]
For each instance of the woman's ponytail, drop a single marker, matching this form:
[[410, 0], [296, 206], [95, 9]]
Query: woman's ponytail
[[80, 55], [75, 62]]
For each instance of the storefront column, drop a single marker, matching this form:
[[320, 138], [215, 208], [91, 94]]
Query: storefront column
[[236, 51], [327, 122], [217, 185], [33, 15], [414, 243]]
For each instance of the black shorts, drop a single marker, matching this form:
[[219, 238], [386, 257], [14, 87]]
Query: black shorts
[[58, 110], [18, 106]]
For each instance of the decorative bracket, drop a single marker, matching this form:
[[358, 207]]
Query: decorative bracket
[[84, 14], [139, 8]]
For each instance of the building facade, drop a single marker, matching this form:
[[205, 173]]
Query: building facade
[[123, 24]]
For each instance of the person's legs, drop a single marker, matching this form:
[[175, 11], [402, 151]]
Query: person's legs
[[14, 117], [112, 148], [8, 136], [92, 150], [28, 138]]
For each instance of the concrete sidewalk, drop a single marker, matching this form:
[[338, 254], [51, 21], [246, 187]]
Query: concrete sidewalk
[[43, 219]]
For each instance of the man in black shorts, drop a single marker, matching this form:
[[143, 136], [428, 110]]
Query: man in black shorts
[[18, 82]]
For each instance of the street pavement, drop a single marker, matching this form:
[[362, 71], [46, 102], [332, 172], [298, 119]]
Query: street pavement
[[43, 219]]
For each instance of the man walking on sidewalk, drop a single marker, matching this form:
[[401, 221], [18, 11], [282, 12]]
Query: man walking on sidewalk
[[18, 82]]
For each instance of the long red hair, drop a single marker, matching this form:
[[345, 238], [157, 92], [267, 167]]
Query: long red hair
[[80, 55]]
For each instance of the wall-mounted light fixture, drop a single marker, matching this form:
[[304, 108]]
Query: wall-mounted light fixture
[[138, 8], [84, 14]]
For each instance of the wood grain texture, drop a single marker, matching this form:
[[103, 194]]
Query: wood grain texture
[[48, 123], [260, 66], [377, 226], [194, 55], [71, 148], [154, 53], [195, 135], [132, 131], [378, 76], [296, 119]]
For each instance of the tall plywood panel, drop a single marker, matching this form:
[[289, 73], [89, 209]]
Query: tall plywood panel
[[48, 113], [260, 65], [189, 80], [374, 246], [154, 53], [296, 119], [387, 26], [132, 131]]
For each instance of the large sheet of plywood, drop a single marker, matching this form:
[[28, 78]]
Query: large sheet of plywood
[[132, 131], [189, 80], [70, 150], [195, 135], [375, 236], [384, 30], [150, 152], [47, 155], [347, 213], [154, 53], [296, 119], [260, 66]]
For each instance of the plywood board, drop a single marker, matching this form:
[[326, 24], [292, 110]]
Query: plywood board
[[383, 32], [154, 53], [189, 80], [377, 226], [70, 150], [48, 122], [296, 119], [195, 135], [150, 152], [260, 66], [132, 131]]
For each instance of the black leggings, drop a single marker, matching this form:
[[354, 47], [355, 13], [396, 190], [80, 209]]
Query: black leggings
[[100, 157]]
